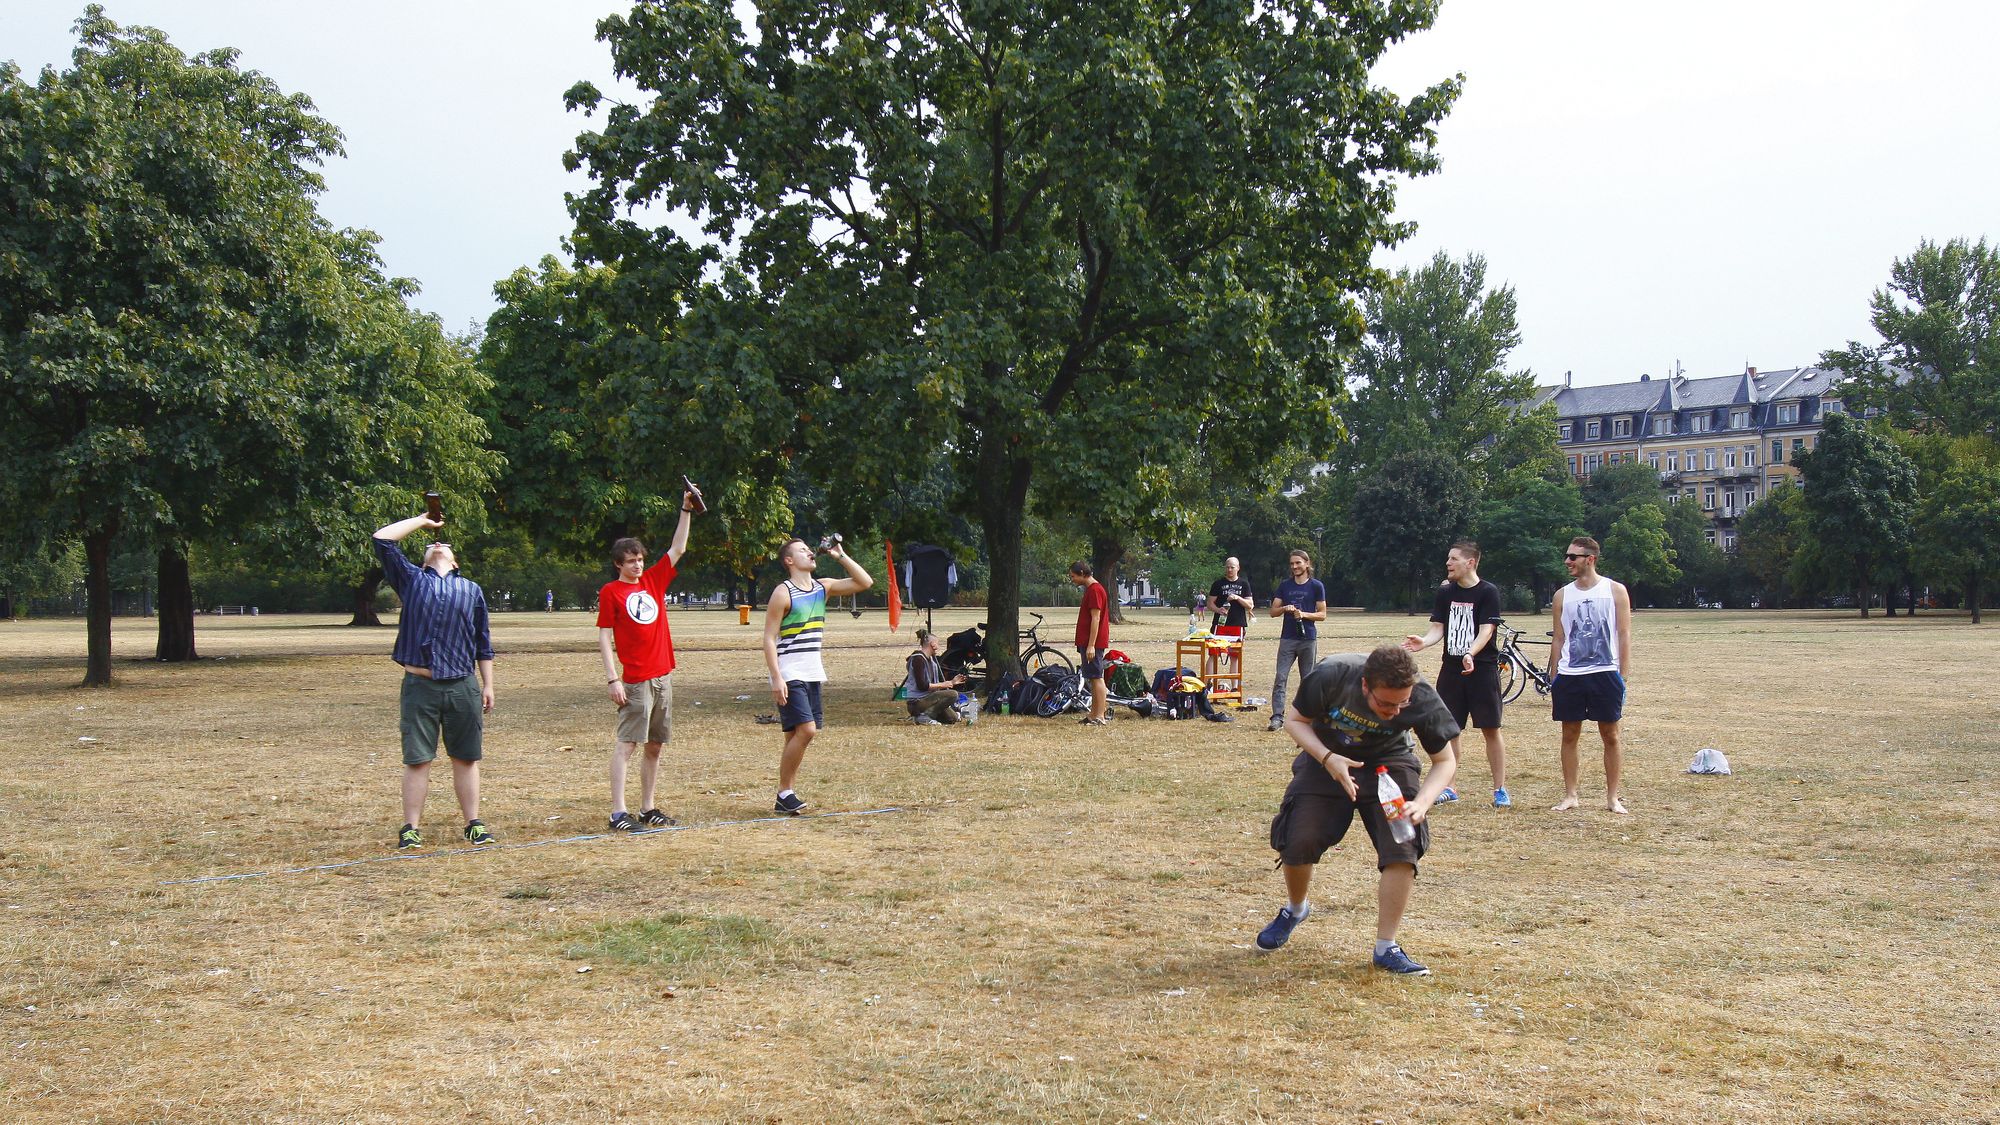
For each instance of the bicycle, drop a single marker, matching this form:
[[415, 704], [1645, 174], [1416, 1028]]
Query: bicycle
[[1517, 670], [1038, 655]]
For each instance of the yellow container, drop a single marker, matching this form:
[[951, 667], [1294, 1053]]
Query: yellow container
[[743, 615]]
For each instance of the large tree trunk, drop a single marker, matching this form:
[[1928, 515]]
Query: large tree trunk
[[175, 641], [1861, 597], [1003, 496], [364, 598], [97, 595], [1106, 556]]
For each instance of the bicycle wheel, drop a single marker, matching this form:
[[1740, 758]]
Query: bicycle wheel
[[1513, 678], [1042, 656]]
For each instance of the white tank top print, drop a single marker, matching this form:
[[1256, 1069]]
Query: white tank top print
[[1590, 633]]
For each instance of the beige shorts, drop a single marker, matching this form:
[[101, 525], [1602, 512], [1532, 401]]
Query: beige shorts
[[648, 712]]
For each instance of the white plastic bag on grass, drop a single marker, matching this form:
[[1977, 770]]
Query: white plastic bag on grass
[[1709, 760]]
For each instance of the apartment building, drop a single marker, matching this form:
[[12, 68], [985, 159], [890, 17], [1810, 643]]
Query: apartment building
[[1718, 442]]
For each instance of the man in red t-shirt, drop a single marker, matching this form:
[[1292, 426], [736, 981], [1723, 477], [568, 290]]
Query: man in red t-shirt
[[1093, 636], [632, 627]]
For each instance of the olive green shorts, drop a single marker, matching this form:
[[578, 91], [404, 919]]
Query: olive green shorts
[[451, 708]]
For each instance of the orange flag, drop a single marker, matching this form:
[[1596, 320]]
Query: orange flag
[[895, 595]]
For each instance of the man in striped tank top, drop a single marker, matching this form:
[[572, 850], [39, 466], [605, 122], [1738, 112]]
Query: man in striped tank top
[[794, 624], [1592, 643]]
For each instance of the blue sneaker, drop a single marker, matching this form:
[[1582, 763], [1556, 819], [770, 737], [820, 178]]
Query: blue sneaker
[[1448, 796], [1394, 960], [1280, 930], [1501, 800]]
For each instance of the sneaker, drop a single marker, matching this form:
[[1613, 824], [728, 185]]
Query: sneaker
[[1280, 930], [654, 818], [1448, 796], [624, 822], [1277, 723], [409, 838], [1394, 960], [790, 803], [926, 721], [1501, 800], [477, 833]]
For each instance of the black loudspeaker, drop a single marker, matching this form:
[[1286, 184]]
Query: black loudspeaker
[[931, 575]]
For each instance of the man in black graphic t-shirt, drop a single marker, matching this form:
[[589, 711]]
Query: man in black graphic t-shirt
[[1230, 598], [1465, 616]]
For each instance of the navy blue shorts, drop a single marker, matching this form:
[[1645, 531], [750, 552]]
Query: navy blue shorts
[[801, 705], [1597, 697], [1090, 669]]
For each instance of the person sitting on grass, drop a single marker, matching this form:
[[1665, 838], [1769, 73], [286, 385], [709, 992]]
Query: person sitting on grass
[[931, 697]]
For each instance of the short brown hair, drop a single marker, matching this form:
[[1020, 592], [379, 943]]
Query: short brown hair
[[1390, 666], [625, 548], [1080, 568], [1468, 548], [1587, 543], [786, 547]]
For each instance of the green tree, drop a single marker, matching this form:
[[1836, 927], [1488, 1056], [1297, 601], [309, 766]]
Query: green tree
[[156, 332], [1638, 550], [1938, 366], [1614, 490], [955, 227], [1859, 491], [1522, 528], [1768, 538], [1432, 374], [1704, 569], [1958, 529], [1407, 514]]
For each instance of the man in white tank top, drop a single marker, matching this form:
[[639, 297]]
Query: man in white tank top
[[1592, 643]]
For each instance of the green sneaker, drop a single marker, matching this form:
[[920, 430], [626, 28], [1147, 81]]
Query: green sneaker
[[409, 838], [476, 833]]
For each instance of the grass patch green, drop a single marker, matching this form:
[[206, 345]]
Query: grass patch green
[[685, 941]]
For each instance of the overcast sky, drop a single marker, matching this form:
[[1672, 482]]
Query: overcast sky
[[1710, 183]]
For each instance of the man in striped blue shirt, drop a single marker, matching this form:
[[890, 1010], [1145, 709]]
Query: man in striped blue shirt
[[445, 648]]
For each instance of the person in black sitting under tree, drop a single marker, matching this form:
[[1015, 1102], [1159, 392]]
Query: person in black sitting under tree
[[930, 695]]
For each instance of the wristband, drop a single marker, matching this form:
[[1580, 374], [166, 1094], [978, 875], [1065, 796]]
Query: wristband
[[612, 680]]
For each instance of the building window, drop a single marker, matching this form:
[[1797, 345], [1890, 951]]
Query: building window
[[1749, 497], [1709, 534], [1621, 427], [1591, 463], [1698, 423], [1708, 462], [1572, 466], [1673, 497], [1663, 425], [1591, 430], [1562, 431], [1729, 458], [1788, 414], [1708, 498], [1749, 456], [1673, 460], [1829, 406], [1777, 451], [1798, 447], [1729, 540], [1775, 482], [1653, 459], [1739, 419], [1728, 501]]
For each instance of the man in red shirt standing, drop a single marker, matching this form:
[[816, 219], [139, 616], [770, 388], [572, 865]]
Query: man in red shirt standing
[[632, 620], [1093, 636]]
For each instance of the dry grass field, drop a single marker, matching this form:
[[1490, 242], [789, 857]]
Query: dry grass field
[[1053, 924]]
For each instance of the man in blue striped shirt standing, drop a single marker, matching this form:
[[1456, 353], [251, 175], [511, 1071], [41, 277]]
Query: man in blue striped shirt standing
[[445, 647]]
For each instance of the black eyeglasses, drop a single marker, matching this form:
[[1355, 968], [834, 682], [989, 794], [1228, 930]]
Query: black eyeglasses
[[1573, 557]]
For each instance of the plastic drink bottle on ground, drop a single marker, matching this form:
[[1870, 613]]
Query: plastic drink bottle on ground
[[1393, 810]]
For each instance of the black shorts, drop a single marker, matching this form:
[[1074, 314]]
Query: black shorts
[[1477, 695], [1310, 821], [801, 705], [1597, 697], [1090, 669]]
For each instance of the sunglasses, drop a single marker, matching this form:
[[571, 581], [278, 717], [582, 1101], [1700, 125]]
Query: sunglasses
[[1574, 557]]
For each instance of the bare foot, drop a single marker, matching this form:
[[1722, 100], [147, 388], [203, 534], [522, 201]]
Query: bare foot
[[1616, 805], [1564, 805]]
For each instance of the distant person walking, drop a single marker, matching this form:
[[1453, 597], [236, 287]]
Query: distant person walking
[[444, 644], [794, 627], [1093, 636], [1465, 615], [549, 602], [638, 652], [1593, 645], [1301, 601]]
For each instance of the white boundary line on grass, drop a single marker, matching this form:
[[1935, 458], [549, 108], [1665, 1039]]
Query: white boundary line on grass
[[401, 857]]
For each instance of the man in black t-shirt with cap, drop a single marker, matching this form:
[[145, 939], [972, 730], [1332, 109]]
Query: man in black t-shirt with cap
[[1351, 715]]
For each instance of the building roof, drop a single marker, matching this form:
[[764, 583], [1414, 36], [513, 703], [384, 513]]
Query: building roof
[[1611, 398]]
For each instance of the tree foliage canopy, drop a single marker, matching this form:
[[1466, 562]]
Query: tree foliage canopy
[[1938, 366]]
